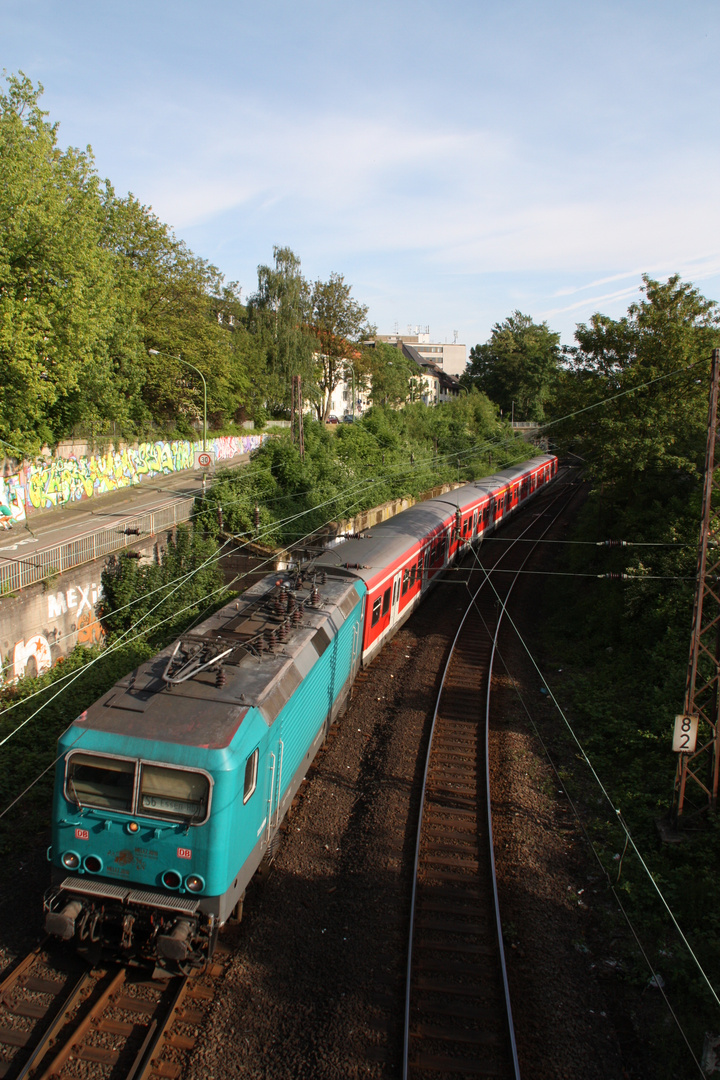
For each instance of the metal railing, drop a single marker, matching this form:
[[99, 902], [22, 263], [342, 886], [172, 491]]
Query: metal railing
[[21, 570]]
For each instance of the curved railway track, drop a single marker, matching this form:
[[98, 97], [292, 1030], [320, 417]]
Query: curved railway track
[[56, 1013], [458, 1019]]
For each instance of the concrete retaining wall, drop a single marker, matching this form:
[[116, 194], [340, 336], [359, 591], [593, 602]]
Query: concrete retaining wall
[[45, 622]]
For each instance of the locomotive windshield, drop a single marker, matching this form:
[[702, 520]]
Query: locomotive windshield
[[173, 793], [163, 792], [99, 781]]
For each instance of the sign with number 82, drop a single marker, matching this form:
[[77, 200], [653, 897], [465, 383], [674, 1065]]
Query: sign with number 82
[[685, 734]]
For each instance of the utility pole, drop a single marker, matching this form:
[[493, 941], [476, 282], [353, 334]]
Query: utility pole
[[296, 416], [697, 731]]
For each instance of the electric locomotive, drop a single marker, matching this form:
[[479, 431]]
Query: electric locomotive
[[170, 790]]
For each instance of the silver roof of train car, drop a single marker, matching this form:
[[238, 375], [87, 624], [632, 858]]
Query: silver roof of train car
[[385, 543], [206, 711]]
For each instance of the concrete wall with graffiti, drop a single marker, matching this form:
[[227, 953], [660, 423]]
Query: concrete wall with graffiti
[[41, 626], [61, 480], [45, 622]]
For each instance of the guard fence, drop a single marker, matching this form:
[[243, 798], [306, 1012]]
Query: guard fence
[[21, 570]]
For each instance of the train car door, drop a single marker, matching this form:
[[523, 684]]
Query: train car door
[[395, 597], [474, 525]]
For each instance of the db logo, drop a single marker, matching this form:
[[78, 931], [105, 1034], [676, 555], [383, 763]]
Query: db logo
[[184, 853], [204, 460], [82, 834]]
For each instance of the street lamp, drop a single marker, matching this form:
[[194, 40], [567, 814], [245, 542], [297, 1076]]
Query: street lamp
[[156, 352]]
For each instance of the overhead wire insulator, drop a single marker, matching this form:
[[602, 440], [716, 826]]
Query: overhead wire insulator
[[611, 543]]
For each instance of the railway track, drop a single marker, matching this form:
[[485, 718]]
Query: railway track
[[59, 1019], [458, 1019]]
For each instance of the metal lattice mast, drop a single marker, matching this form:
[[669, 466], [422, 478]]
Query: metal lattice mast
[[697, 731], [296, 415]]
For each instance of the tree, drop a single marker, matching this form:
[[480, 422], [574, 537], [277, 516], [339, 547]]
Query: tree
[[391, 374], [170, 302], [661, 426], [278, 314], [57, 301], [517, 366], [339, 326]]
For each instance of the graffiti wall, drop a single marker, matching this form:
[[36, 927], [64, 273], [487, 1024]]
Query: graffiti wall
[[40, 627], [65, 480]]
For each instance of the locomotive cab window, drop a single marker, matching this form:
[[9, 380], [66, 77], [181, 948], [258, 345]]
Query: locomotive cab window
[[105, 782], [180, 794], [386, 602], [251, 771], [377, 604]]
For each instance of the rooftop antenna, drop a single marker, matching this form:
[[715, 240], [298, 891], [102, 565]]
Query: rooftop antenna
[[455, 337], [397, 328]]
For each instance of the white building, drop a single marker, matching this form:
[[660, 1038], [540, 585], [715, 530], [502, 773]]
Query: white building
[[451, 359]]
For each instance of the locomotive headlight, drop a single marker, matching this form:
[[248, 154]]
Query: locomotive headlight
[[71, 860], [171, 879], [132, 826], [194, 883], [93, 864]]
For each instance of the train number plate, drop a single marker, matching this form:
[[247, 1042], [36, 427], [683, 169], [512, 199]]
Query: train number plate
[[184, 853], [82, 834]]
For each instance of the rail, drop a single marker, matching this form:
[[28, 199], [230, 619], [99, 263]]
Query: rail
[[457, 999], [24, 570], [57, 1014]]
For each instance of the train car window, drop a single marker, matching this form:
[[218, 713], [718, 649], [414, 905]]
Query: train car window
[[386, 602], [406, 580], [173, 793], [396, 591], [413, 570], [251, 771], [92, 780], [376, 611]]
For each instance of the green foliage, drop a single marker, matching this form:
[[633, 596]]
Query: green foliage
[[392, 375], [57, 301], [517, 367], [386, 455], [661, 425], [278, 314], [339, 324], [159, 599], [624, 644], [88, 283]]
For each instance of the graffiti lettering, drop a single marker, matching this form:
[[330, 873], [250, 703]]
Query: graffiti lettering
[[38, 487], [89, 630], [62, 602]]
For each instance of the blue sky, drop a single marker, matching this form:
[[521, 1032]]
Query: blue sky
[[454, 162]]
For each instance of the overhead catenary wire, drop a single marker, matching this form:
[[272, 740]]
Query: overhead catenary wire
[[616, 811], [611, 886], [268, 530], [120, 641]]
